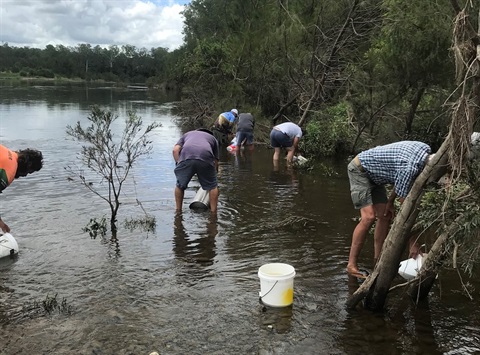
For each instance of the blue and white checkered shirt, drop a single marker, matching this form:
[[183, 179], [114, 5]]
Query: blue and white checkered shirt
[[397, 163]]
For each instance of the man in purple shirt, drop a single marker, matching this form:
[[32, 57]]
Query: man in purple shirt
[[398, 164], [196, 152]]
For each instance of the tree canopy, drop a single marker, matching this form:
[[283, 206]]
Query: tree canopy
[[389, 64]]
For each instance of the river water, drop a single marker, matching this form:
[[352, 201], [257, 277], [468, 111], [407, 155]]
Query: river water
[[192, 285]]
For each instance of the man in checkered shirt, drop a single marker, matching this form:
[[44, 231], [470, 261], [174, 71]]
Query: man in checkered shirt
[[398, 164]]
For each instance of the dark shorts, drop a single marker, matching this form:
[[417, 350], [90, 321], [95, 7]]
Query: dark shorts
[[206, 173], [241, 136], [278, 139], [363, 191]]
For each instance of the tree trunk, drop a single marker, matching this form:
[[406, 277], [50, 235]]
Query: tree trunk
[[375, 288], [413, 109], [423, 283], [319, 80]]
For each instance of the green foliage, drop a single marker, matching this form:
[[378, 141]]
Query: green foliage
[[398, 88], [328, 133], [432, 120], [456, 203], [125, 63], [96, 227], [414, 42], [322, 168]]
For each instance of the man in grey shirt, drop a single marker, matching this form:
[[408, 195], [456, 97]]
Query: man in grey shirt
[[245, 126], [285, 135]]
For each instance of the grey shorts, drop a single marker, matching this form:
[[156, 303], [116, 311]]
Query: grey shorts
[[206, 173], [363, 191]]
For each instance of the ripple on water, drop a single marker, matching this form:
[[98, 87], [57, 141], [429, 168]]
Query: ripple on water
[[193, 286]]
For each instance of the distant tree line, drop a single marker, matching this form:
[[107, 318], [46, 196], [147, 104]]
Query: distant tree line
[[117, 64], [354, 73]]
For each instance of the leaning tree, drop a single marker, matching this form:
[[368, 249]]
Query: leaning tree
[[451, 158]]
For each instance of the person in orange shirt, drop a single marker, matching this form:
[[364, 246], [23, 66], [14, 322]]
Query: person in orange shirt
[[15, 164]]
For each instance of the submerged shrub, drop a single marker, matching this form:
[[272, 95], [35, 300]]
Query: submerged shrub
[[147, 223], [96, 227]]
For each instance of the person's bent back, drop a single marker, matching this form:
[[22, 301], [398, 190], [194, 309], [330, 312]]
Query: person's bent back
[[15, 164], [196, 152]]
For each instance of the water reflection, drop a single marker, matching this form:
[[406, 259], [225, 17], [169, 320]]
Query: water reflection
[[243, 160], [416, 333], [193, 286], [353, 284], [276, 319], [403, 328], [284, 176], [8, 261], [196, 245]]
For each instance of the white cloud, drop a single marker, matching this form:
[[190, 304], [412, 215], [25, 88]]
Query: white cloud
[[141, 23]]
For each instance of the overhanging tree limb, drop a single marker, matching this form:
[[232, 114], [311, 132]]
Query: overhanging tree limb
[[454, 149], [375, 288]]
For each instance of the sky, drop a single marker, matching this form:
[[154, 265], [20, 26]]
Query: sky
[[140, 23]]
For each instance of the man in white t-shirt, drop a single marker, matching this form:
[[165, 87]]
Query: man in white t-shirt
[[285, 135]]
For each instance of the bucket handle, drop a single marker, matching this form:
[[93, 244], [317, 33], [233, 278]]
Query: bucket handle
[[269, 290]]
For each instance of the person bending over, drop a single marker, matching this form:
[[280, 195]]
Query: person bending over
[[16, 164], [285, 135], [223, 126], [398, 164], [196, 152], [245, 126]]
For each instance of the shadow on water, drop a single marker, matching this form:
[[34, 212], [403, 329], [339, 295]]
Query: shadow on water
[[276, 319], [198, 244], [403, 328]]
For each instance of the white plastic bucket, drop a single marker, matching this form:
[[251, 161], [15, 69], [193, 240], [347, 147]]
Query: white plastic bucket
[[276, 284], [8, 245]]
